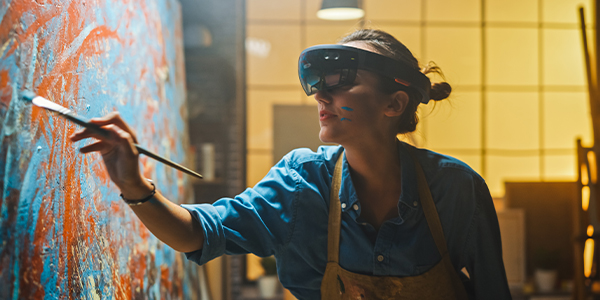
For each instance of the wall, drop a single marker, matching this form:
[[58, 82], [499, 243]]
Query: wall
[[519, 97], [64, 232]]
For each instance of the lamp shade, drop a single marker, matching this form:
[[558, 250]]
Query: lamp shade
[[340, 10]]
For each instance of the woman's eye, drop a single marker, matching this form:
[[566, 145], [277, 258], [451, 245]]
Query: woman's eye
[[346, 87], [338, 89]]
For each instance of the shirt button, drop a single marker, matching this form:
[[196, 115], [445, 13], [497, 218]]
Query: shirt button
[[355, 206], [415, 203], [380, 258], [343, 205]]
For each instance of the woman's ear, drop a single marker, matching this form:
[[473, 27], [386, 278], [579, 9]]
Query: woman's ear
[[397, 104]]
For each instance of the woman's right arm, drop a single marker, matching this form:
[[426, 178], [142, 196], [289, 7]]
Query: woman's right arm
[[168, 221]]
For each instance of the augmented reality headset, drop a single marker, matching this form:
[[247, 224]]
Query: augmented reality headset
[[325, 67]]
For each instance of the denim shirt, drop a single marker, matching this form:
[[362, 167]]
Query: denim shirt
[[286, 215]]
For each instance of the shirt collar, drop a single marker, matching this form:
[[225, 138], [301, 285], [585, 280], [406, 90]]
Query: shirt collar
[[409, 196]]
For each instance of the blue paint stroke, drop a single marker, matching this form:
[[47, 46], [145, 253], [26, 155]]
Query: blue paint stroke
[[345, 119], [347, 108], [34, 50], [90, 75]]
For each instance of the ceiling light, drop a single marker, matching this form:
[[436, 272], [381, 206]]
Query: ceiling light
[[340, 10]]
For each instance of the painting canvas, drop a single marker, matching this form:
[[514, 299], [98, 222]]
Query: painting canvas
[[64, 231]]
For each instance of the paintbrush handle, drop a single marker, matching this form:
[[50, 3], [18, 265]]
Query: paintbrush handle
[[85, 124], [79, 121], [167, 162], [69, 115]]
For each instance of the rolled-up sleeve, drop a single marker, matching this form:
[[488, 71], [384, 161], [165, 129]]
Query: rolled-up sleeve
[[484, 250], [260, 220], [214, 235]]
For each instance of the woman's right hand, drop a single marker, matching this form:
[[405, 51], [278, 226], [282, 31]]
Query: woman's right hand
[[168, 221], [119, 154]]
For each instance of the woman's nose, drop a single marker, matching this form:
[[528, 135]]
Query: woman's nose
[[323, 96]]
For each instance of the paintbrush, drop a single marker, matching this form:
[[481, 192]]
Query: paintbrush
[[69, 115]]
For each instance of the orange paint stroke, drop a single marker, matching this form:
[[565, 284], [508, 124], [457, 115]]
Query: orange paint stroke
[[3, 79], [165, 279]]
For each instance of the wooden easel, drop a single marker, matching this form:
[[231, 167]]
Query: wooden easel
[[587, 215]]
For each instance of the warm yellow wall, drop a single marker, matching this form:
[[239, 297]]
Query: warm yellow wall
[[214, 273], [519, 99]]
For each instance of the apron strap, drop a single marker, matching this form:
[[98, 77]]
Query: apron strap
[[335, 213], [435, 227], [430, 211], [334, 226]]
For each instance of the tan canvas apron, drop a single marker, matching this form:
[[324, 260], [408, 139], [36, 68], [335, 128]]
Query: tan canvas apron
[[440, 282]]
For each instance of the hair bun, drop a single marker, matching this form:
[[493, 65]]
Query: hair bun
[[440, 91]]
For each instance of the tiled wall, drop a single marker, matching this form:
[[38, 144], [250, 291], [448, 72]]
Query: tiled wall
[[516, 66]]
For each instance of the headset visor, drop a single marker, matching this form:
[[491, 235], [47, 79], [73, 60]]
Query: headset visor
[[326, 67], [323, 69]]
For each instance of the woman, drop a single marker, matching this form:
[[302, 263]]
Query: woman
[[403, 222]]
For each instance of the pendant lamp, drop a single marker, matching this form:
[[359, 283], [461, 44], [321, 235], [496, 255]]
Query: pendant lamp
[[340, 10]]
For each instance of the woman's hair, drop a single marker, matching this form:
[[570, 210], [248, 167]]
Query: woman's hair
[[389, 46]]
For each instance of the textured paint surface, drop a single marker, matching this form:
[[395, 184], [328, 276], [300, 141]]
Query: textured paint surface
[[64, 232]]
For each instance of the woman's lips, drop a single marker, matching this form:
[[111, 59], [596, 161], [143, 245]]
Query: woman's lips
[[324, 115]]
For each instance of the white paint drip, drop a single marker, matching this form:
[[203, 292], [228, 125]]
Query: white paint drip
[[93, 289], [6, 44], [163, 73]]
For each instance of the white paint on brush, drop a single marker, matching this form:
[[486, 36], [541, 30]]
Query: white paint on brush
[[47, 104]]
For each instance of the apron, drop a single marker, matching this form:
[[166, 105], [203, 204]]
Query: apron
[[440, 282]]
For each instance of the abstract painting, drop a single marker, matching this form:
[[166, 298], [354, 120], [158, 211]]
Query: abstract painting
[[64, 231]]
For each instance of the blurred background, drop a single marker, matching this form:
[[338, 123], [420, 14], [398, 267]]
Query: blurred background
[[519, 96], [519, 104]]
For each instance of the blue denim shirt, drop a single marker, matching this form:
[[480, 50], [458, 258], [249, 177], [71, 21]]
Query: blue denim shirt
[[286, 215]]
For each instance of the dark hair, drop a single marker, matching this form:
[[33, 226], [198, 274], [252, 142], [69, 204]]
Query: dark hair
[[386, 44]]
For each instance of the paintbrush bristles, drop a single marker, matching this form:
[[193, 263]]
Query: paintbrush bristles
[[47, 104], [43, 102]]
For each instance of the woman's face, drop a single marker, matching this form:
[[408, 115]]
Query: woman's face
[[356, 112]]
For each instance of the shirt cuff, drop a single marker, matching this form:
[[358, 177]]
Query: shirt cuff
[[214, 235]]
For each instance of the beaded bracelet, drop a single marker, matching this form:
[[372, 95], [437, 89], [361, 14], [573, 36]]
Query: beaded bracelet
[[141, 201]]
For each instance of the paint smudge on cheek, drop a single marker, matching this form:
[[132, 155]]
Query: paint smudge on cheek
[[347, 109]]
